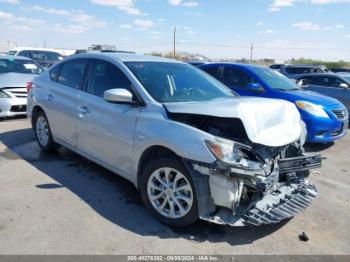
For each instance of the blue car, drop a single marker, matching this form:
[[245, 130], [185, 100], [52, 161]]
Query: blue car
[[326, 118]]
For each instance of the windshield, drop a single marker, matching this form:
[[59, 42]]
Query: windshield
[[176, 82], [19, 66], [275, 80], [12, 52]]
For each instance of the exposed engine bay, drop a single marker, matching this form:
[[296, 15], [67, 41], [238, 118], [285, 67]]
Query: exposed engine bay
[[257, 184]]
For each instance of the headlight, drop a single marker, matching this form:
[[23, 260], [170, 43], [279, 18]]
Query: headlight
[[312, 109], [235, 154], [3, 94]]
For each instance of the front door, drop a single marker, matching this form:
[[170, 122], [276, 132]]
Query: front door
[[106, 130]]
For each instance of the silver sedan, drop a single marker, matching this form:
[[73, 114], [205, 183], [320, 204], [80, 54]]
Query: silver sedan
[[191, 147]]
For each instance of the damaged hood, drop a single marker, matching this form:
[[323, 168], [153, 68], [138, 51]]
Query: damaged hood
[[269, 122]]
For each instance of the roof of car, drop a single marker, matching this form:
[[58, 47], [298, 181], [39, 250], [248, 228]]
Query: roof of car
[[306, 66], [319, 74], [129, 57], [250, 66], [14, 57]]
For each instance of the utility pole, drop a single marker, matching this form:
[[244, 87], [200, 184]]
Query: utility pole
[[251, 52], [44, 42], [174, 54]]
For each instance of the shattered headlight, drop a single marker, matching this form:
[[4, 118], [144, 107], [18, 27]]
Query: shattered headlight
[[235, 154]]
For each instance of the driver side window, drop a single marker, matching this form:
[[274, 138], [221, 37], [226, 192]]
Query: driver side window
[[236, 78], [105, 76]]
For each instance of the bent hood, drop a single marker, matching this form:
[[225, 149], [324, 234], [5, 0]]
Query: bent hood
[[15, 79], [269, 122]]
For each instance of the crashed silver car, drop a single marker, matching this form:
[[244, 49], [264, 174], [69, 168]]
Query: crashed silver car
[[191, 147]]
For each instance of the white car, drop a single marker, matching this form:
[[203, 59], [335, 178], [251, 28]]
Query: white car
[[15, 73]]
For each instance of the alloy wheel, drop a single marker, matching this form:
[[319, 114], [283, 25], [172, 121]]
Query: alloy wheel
[[42, 130], [170, 192]]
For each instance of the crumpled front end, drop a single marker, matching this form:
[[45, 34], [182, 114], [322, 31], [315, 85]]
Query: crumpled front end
[[256, 196]]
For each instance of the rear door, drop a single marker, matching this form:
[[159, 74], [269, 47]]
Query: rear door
[[106, 130], [62, 98]]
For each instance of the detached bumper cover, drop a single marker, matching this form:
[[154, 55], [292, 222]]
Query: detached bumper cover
[[266, 211], [279, 196]]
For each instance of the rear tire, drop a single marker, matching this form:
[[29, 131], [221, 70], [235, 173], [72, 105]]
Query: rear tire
[[43, 133], [168, 192]]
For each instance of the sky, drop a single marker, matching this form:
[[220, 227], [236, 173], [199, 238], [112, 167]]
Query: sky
[[278, 29]]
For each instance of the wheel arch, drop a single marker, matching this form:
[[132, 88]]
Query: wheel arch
[[151, 153], [36, 109]]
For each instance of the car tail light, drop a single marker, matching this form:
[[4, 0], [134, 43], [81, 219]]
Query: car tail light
[[29, 86]]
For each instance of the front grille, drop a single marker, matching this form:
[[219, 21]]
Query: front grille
[[20, 92], [341, 114], [18, 109]]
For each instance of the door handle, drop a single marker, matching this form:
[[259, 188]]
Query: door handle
[[83, 110], [50, 97]]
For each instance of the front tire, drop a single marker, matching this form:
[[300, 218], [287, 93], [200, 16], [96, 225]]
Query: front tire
[[43, 133], [168, 192]]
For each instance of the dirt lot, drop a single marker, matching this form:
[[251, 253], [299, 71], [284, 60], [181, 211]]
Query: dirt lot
[[63, 204]]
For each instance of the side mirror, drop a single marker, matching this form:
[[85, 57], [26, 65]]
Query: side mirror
[[303, 83], [255, 87], [343, 85], [118, 96]]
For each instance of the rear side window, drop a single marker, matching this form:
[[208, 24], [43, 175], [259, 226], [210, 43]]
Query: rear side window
[[54, 72], [105, 76], [72, 73]]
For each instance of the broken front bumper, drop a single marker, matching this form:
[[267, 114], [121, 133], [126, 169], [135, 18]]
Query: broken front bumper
[[281, 195], [274, 210]]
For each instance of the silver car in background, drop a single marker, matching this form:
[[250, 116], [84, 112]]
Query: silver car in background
[[331, 84], [191, 147], [293, 71], [15, 73]]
